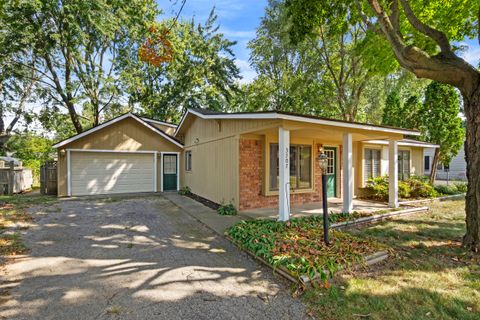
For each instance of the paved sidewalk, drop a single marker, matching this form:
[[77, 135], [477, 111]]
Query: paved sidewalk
[[204, 214]]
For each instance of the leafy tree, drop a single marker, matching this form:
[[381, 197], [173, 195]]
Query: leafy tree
[[323, 75], [421, 36], [32, 149], [288, 75], [16, 84], [77, 44], [392, 113], [440, 123], [402, 114], [201, 72]]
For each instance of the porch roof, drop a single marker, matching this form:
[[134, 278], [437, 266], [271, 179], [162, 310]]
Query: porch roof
[[282, 115]]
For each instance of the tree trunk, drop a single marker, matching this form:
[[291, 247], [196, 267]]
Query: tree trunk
[[472, 156], [74, 116], [433, 172]]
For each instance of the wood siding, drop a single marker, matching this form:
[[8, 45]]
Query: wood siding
[[416, 161], [125, 135], [215, 157]]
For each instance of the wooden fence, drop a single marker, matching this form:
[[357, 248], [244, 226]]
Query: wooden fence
[[15, 180], [48, 178]]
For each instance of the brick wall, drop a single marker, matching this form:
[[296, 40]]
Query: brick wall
[[251, 179]]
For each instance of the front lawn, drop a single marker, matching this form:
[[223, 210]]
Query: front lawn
[[429, 277], [298, 246], [13, 214]]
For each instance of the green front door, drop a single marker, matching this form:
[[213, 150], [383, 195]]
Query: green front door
[[169, 172], [331, 172]]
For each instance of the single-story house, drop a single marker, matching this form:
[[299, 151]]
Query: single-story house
[[251, 159]]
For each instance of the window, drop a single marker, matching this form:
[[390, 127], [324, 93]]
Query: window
[[440, 166], [427, 163], [188, 160], [170, 164], [403, 165], [300, 167], [372, 163]]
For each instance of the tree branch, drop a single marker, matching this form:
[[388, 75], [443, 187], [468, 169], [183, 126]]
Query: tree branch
[[366, 21], [438, 36]]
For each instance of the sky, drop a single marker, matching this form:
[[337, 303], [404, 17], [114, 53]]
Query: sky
[[238, 20]]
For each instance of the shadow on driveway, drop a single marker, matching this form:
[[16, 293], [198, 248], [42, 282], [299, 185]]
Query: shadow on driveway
[[141, 258]]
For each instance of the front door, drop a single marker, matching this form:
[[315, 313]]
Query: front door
[[170, 172], [331, 171]]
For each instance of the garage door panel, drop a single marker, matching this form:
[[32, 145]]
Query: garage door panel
[[105, 173]]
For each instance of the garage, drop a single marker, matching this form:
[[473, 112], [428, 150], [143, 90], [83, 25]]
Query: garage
[[112, 172], [127, 154]]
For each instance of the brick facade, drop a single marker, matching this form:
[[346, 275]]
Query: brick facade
[[251, 179]]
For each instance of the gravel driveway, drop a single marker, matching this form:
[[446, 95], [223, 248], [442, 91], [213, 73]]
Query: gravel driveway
[[140, 258]]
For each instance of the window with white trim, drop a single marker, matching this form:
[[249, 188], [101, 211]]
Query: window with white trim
[[300, 167], [188, 160], [403, 164], [371, 167]]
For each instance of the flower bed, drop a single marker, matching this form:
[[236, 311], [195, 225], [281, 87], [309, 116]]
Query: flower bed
[[297, 246]]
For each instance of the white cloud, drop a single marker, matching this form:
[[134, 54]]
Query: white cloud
[[247, 72], [472, 55], [239, 34]]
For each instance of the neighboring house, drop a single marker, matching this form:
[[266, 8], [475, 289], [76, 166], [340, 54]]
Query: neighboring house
[[457, 168], [253, 160]]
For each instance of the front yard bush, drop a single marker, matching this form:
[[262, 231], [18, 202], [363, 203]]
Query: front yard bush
[[461, 187], [298, 246], [185, 191], [446, 190], [227, 210], [413, 187], [456, 188]]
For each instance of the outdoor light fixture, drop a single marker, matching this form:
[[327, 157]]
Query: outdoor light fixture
[[323, 161]]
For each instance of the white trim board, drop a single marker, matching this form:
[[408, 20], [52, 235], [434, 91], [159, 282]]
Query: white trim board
[[404, 143], [161, 168], [299, 118], [159, 122], [106, 124]]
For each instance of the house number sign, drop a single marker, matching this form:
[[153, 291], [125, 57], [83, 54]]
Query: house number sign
[[287, 157]]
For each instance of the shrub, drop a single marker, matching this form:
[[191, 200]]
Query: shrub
[[461, 187], [416, 187], [404, 189], [185, 191], [378, 187], [227, 210], [447, 190], [420, 188]]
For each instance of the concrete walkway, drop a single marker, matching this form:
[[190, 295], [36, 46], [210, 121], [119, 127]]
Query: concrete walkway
[[209, 217], [137, 258]]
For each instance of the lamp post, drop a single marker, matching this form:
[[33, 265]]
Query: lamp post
[[323, 160]]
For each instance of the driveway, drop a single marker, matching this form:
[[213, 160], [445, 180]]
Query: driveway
[[140, 258]]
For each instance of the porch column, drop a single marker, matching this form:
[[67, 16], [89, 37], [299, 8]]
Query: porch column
[[393, 174], [284, 174], [347, 173]]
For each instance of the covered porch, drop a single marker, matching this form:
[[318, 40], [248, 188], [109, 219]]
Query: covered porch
[[335, 205], [284, 179]]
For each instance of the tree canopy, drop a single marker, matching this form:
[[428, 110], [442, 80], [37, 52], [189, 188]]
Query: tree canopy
[[201, 73], [422, 36]]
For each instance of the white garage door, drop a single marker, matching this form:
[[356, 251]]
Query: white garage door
[[105, 173]]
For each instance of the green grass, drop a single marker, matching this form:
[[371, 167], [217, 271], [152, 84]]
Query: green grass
[[430, 275], [13, 210]]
